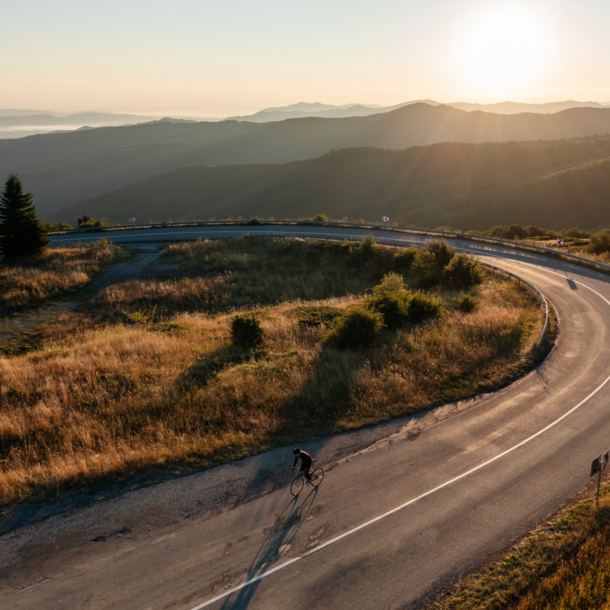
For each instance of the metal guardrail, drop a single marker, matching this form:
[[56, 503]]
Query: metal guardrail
[[580, 260]]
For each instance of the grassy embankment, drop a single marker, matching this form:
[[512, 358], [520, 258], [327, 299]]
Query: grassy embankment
[[28, 282], [563, 565], [146, 377]]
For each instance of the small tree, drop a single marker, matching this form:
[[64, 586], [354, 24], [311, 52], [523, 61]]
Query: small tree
[[462, 272], [358, 328], [600, 242], [367, 246], [391, 299], [424, 306], [246, 331], [21, 233]]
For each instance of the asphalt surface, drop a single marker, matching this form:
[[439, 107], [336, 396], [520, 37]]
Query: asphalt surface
[[389, 524]]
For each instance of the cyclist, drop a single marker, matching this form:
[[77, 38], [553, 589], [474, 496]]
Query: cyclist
[[306, 462]]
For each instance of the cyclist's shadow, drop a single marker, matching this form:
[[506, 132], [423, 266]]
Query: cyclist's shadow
[[282, 533]]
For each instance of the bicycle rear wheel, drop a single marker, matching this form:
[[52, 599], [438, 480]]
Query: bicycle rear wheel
[[297, 485], [316, 476]]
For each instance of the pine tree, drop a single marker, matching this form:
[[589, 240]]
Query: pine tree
[[21, 233]]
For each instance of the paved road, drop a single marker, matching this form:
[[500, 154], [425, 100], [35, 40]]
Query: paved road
[[389, 524]]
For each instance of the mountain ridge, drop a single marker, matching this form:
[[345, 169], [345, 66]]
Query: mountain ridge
[[556, 184], [65, 168]]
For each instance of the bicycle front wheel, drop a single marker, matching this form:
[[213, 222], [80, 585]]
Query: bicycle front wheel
[[316, 476], [297, 485]]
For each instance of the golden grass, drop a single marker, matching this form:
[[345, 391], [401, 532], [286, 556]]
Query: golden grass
[[562, 565], [116, 398], [32, 281], [221, 275]]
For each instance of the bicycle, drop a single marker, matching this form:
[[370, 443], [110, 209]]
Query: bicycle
[[317, 474]]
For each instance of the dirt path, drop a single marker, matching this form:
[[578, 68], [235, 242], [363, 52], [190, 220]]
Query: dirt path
[[143, 263]]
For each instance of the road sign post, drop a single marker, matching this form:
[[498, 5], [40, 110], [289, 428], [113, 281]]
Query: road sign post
[[597, 467]]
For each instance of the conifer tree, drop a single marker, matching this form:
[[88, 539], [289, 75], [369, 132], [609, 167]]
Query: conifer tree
[[21, 233]]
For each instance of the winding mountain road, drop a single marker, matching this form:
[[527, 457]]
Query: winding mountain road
[[391, 522]]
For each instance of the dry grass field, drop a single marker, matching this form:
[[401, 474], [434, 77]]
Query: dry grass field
[[563, 565], [146, 376], [32, 281]]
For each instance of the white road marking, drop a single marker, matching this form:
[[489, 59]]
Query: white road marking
[[427, 493]]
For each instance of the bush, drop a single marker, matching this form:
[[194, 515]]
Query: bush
[[320, 218], [442, 252], [462, 272], [533, 231], [59, 226], [423, 307], [246, 331], [600, 242], [403, 260], [390, 283], [87, 221], [359, 327], [577, 233], [513, 232], [430, 261], [394, 307], [367, 246], [466, 303], [391, 299]]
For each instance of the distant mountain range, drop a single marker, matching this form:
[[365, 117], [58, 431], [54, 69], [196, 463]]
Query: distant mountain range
[[303, 109], [19, 124], [61, 169], [556, 184], [16, 123]]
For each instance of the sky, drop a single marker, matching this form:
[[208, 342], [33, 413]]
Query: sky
[[211, 58]]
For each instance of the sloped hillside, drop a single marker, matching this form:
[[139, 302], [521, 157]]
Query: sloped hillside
[[554, 184], [64, 168]]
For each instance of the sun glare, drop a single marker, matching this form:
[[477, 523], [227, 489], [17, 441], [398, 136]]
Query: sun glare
[[503, 51]]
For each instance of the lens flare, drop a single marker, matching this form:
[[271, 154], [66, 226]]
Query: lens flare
[[503, 51]]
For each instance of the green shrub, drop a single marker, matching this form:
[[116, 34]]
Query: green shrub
[[442, 252], [427, 272], [246, 331], [318, 316], [87, 221], [390, 283], [462, 272], [391, 299], [403, 260], [600, 242], [367, 246], [423, 307], [394, 307], [577, 233], [533, 231], [359, 327], [51, 226], [513, 232], [141, 316], [429, 262], [466, 303]]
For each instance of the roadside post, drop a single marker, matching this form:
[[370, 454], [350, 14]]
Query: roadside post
[[598, 465]]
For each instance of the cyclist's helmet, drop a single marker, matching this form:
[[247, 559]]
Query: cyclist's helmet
[[296, 451]]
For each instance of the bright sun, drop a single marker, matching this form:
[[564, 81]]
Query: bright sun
[[503, 51]]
